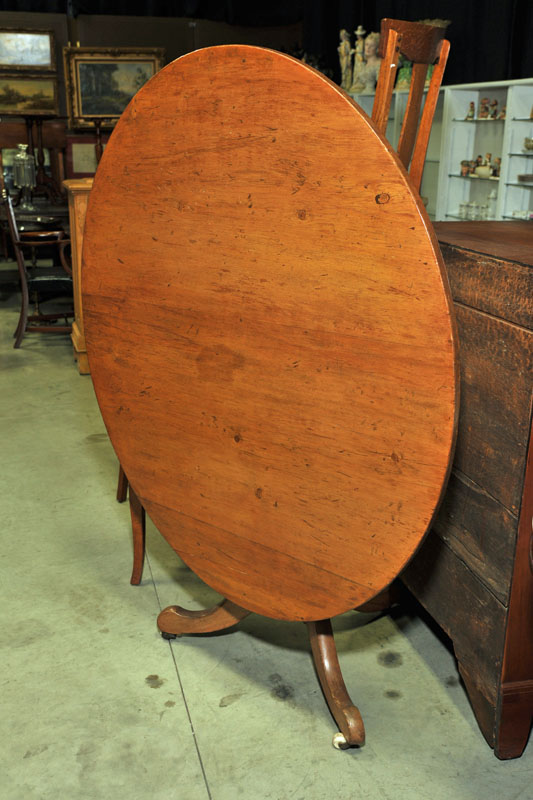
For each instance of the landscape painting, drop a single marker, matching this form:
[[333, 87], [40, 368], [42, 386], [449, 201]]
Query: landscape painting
[[30, 50], [101, 81], [106, 88], [28, 96]]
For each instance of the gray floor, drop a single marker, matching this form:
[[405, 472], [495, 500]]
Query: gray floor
[[97, 705]]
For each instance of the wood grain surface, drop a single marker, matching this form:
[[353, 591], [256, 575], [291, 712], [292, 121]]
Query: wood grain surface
[[472, 573], [510, 240], [269, 332]]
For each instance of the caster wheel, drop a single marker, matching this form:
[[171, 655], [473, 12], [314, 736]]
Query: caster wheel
[[339, 742], [166, 635]]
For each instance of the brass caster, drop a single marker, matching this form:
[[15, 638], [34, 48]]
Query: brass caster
[[339, 742]]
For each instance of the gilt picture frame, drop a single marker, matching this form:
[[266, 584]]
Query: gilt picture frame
[[27, 50], [100, 81], [24, 95]]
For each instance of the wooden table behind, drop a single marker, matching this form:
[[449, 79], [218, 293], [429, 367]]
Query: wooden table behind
[[78, 197], [473, 573]]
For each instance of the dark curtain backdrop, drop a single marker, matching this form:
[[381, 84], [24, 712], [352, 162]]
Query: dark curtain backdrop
[[490, 39]]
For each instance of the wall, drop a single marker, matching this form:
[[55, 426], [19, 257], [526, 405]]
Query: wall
[[178, 35], [51, 22]]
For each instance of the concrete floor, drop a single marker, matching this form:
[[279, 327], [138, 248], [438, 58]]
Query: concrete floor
[[97, 705]]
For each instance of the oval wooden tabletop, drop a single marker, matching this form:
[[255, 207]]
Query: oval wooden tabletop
[[269, 332]]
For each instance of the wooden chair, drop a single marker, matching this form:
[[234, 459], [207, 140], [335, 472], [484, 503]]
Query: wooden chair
[[424, 45], [138, 525], [39, 282]]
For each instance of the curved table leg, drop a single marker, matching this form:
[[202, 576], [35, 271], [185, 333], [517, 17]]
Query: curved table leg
[[175, 620], [138, 529], [347, 716]]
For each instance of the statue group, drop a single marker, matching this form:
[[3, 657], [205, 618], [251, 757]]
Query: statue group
[[359, 64]]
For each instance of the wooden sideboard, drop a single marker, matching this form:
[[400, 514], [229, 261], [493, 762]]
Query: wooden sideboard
[[474, 572], [78, 197]]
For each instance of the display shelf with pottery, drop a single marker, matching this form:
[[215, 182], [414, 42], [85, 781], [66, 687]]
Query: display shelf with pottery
[[510, 139]]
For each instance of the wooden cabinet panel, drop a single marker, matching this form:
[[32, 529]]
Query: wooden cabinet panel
[[78, 197], [473, 573]]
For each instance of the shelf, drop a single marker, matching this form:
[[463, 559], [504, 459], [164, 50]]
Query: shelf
[[465, 219], [517, 219], [483, 119], [470, 178], [460, 145]]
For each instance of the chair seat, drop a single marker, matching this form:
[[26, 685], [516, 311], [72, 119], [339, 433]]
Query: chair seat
[[49, 280], [49, 274]]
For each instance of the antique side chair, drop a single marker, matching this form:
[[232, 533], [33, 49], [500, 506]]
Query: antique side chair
[[425, 46], [38, 283]]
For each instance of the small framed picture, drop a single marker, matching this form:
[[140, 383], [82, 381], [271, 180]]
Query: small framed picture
[[81, 156], [28, 95], [22, 49], [101, 80]]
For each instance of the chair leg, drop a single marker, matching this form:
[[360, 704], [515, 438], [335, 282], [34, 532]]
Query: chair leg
[[347, 716], [23, 318], [122, 487], [138, 529], [389, 597]]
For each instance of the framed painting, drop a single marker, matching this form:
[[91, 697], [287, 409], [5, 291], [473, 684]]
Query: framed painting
[[28, 96], [81, 156], [22, 49], [101, 80]]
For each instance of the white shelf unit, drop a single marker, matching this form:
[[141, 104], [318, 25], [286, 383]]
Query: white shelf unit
[[466, 139], [516, 160], [454, 139], [430, 176]]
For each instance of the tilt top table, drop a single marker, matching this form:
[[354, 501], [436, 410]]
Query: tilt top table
[[271, 341]]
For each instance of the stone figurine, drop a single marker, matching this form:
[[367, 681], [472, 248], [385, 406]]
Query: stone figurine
[[483, 112], [345, 52], [359, 53], [366, 77]]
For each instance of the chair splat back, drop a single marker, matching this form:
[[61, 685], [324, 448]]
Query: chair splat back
[[424, 45]]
